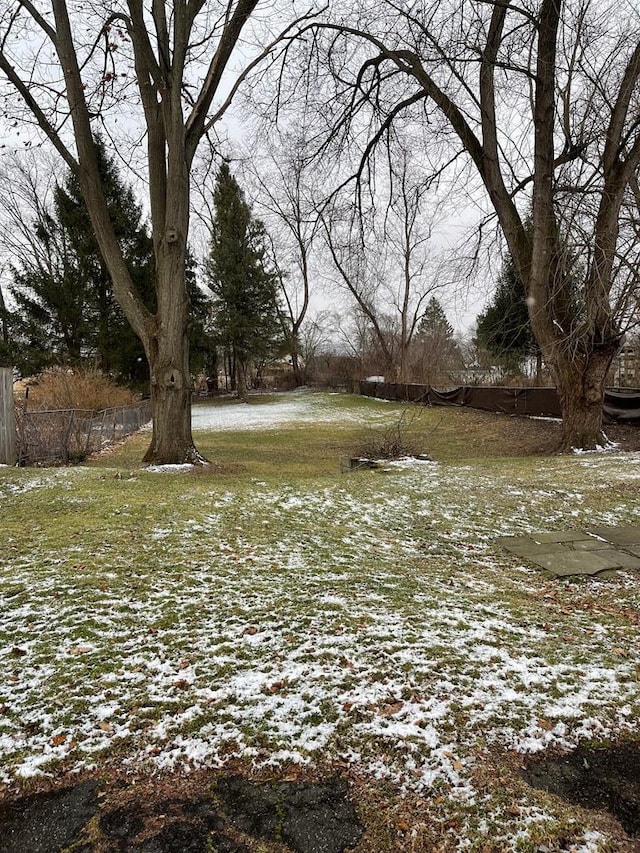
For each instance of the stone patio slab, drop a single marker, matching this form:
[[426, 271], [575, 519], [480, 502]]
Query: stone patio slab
[[560, 536], [618, 535], [592, 544], [564, 562], [574, 552], [628, 561], [528, 548]]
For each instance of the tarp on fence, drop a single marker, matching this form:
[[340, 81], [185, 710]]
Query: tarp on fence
[[541, 402], [622, 406]]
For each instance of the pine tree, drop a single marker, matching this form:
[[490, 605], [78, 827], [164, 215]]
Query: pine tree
[[66, 311], [434, 322], [503, 328], [246, 317], [6, 348], [436, 357], [117, 349]]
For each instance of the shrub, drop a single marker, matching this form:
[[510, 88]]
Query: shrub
[[394, 440], [63, 388]]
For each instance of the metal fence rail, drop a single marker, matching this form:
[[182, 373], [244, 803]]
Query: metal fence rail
[[70, 435]]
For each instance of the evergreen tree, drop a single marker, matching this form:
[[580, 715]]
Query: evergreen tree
[[503, 328], [6, 349], [65, 305], [109, 336], [434, 322], [436, 354], [246, 317]]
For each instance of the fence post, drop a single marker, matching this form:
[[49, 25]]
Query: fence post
[[7, 418]]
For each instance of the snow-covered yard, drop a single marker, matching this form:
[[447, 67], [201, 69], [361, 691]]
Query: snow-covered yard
[[369, 619]]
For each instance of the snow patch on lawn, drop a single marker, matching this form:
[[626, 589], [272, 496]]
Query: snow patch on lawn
[[296, 409], [170, 469]]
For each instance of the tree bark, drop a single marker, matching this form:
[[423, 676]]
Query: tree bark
[[580, 383], [241, 381], [171, 437]]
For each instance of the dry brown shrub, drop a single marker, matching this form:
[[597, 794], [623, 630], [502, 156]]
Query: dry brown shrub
[[62, 388]]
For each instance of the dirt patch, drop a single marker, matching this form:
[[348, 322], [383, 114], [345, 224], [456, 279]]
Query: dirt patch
[[308, 818], [48, 822], [603, 778], [227, 814]]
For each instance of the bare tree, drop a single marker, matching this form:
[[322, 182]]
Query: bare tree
[[26, 189], [286, 193], [542, 98], [383, 258], [162, 65]]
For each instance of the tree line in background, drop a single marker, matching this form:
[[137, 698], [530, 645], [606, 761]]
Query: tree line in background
[[64, 311], [374, 122], [65, 314]]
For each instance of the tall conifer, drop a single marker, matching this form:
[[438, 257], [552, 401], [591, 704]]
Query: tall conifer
[[246, 316]]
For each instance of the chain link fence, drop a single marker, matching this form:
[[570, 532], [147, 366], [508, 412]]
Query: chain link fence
[[70, 435]]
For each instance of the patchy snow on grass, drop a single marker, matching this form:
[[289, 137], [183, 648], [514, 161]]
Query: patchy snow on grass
[[281, 410], [371, 620], [170, 469]]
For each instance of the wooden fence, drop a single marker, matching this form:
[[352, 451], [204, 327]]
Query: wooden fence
[[7, 422]]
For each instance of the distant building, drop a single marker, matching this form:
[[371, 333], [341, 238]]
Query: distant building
[[625, 370]]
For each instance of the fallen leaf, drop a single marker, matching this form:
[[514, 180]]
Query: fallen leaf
[[105, 726], [389, 710], [547, 725], [58, 739]]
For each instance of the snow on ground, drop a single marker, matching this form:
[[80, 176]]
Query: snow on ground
[[370, 619], [282, 409]]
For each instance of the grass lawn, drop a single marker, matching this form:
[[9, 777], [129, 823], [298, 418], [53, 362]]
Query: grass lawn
[[272, 613]]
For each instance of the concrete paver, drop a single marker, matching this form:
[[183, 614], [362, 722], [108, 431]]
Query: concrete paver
[[564, 562], [618, 535], [575, 552], [559, 536]]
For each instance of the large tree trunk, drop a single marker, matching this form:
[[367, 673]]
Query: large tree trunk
[[171, 389], [580, 382], [171, 438], [167, 341]]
